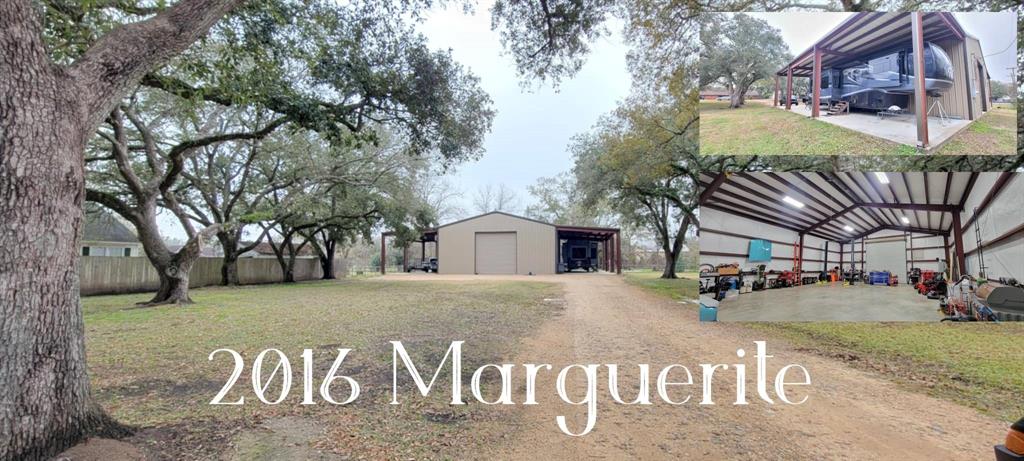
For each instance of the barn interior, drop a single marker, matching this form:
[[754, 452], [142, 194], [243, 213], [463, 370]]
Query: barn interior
[[863, 246]]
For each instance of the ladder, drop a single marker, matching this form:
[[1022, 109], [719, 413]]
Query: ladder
[[977, 240], [797, 263]]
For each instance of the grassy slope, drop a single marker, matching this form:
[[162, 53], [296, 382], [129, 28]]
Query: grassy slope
[[761, 129], [979, 365], [681, 289], [995, 133], [149, 366]]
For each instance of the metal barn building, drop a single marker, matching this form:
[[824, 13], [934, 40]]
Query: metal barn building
[[503, 243], [864, 35]]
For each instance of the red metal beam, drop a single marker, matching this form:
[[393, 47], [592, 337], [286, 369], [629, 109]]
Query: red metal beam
[[911, 206], [958, 241], [618, 252], [956, 30], [920, 96], [816, 84], [992, 194], [789, 87], [945, 251], [711, 188]]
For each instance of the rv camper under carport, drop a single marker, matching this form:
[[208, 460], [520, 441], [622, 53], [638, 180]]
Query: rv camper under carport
[[501, 243], [868, 63]]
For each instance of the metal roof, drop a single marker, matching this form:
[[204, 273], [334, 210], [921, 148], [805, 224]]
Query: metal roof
[[863, 34], [834, 200]]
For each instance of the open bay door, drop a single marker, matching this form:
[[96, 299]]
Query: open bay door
[[495, 253], [888, 254]]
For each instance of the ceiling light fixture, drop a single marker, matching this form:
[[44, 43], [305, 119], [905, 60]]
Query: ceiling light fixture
[[792, 201], [848, 228], [905, 219], [882, 178]]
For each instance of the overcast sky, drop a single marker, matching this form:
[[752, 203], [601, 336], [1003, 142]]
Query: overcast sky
[[532, 128], [997, 33]]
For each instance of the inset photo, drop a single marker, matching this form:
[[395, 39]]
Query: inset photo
[[858, 83], [862, 246]]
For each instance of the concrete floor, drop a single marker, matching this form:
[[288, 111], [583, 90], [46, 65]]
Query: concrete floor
[[833, 302], [901, 129]]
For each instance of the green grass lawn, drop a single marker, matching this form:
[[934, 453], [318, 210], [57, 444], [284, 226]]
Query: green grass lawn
[[762, 129], [994, 133], [759, 128], [977, 364], [681, 289], [980, 365], [149, 366]]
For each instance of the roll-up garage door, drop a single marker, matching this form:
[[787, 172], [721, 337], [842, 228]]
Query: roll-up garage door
[[496, 253], [887, 255]]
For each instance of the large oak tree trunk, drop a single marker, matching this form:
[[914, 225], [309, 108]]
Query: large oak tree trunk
[[327, 260], [47, 112], [670, 264], [229, 266]]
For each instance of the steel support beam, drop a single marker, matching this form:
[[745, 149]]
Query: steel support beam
[[711, 188], [958, 241], [945, 251], [816, 84], [920, 96], [618, 252], [789, 87], [912, 207]]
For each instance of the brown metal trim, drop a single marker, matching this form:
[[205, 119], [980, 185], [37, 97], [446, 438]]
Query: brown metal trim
[[742, 236], [958, 241], [821, 191], [967, 80], [789, 88], [744, 256], [920, 96], [720, 179], [878, 191], [968, 189], [927, 197], [816, 84], [1001, 238], [993, 192]]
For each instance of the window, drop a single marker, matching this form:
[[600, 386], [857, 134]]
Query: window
[[85, 251], [127, 252], [579, 253]]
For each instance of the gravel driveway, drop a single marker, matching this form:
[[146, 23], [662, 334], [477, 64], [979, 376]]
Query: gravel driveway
[[849, 413]]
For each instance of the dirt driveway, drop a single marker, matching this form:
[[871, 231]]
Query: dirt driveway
[[849, 414]]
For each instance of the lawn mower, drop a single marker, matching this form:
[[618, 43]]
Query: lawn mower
[[1013, 449], [785, 279]]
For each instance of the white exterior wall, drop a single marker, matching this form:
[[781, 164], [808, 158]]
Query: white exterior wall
[[536, 244], [782, 253], [1005, 259]]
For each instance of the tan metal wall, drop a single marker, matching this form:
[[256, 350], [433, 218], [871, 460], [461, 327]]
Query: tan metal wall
[[974, 57], [109, 275], [535, 244], [954, 101]]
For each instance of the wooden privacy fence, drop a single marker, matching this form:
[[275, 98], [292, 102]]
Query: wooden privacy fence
[[109, 275]]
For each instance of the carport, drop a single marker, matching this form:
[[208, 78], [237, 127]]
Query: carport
[[863, 36], [608, 238], [428, 235]]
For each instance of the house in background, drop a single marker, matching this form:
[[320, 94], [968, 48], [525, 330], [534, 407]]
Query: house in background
[[103, 234]]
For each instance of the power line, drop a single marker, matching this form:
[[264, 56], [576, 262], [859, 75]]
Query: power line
[[1004, 49]]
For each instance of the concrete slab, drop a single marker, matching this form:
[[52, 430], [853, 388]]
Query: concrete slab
[[900, 129], [832, 302]]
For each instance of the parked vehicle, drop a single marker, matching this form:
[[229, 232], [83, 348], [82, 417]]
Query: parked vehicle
[[426, 265], [793, 100], [885, 79], [723, 98], [579, 254]]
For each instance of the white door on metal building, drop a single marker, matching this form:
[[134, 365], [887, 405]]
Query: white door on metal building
[[496, 253]]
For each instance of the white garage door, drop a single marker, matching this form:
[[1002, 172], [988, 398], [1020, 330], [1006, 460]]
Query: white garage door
[[887, 256], [496, 253]]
